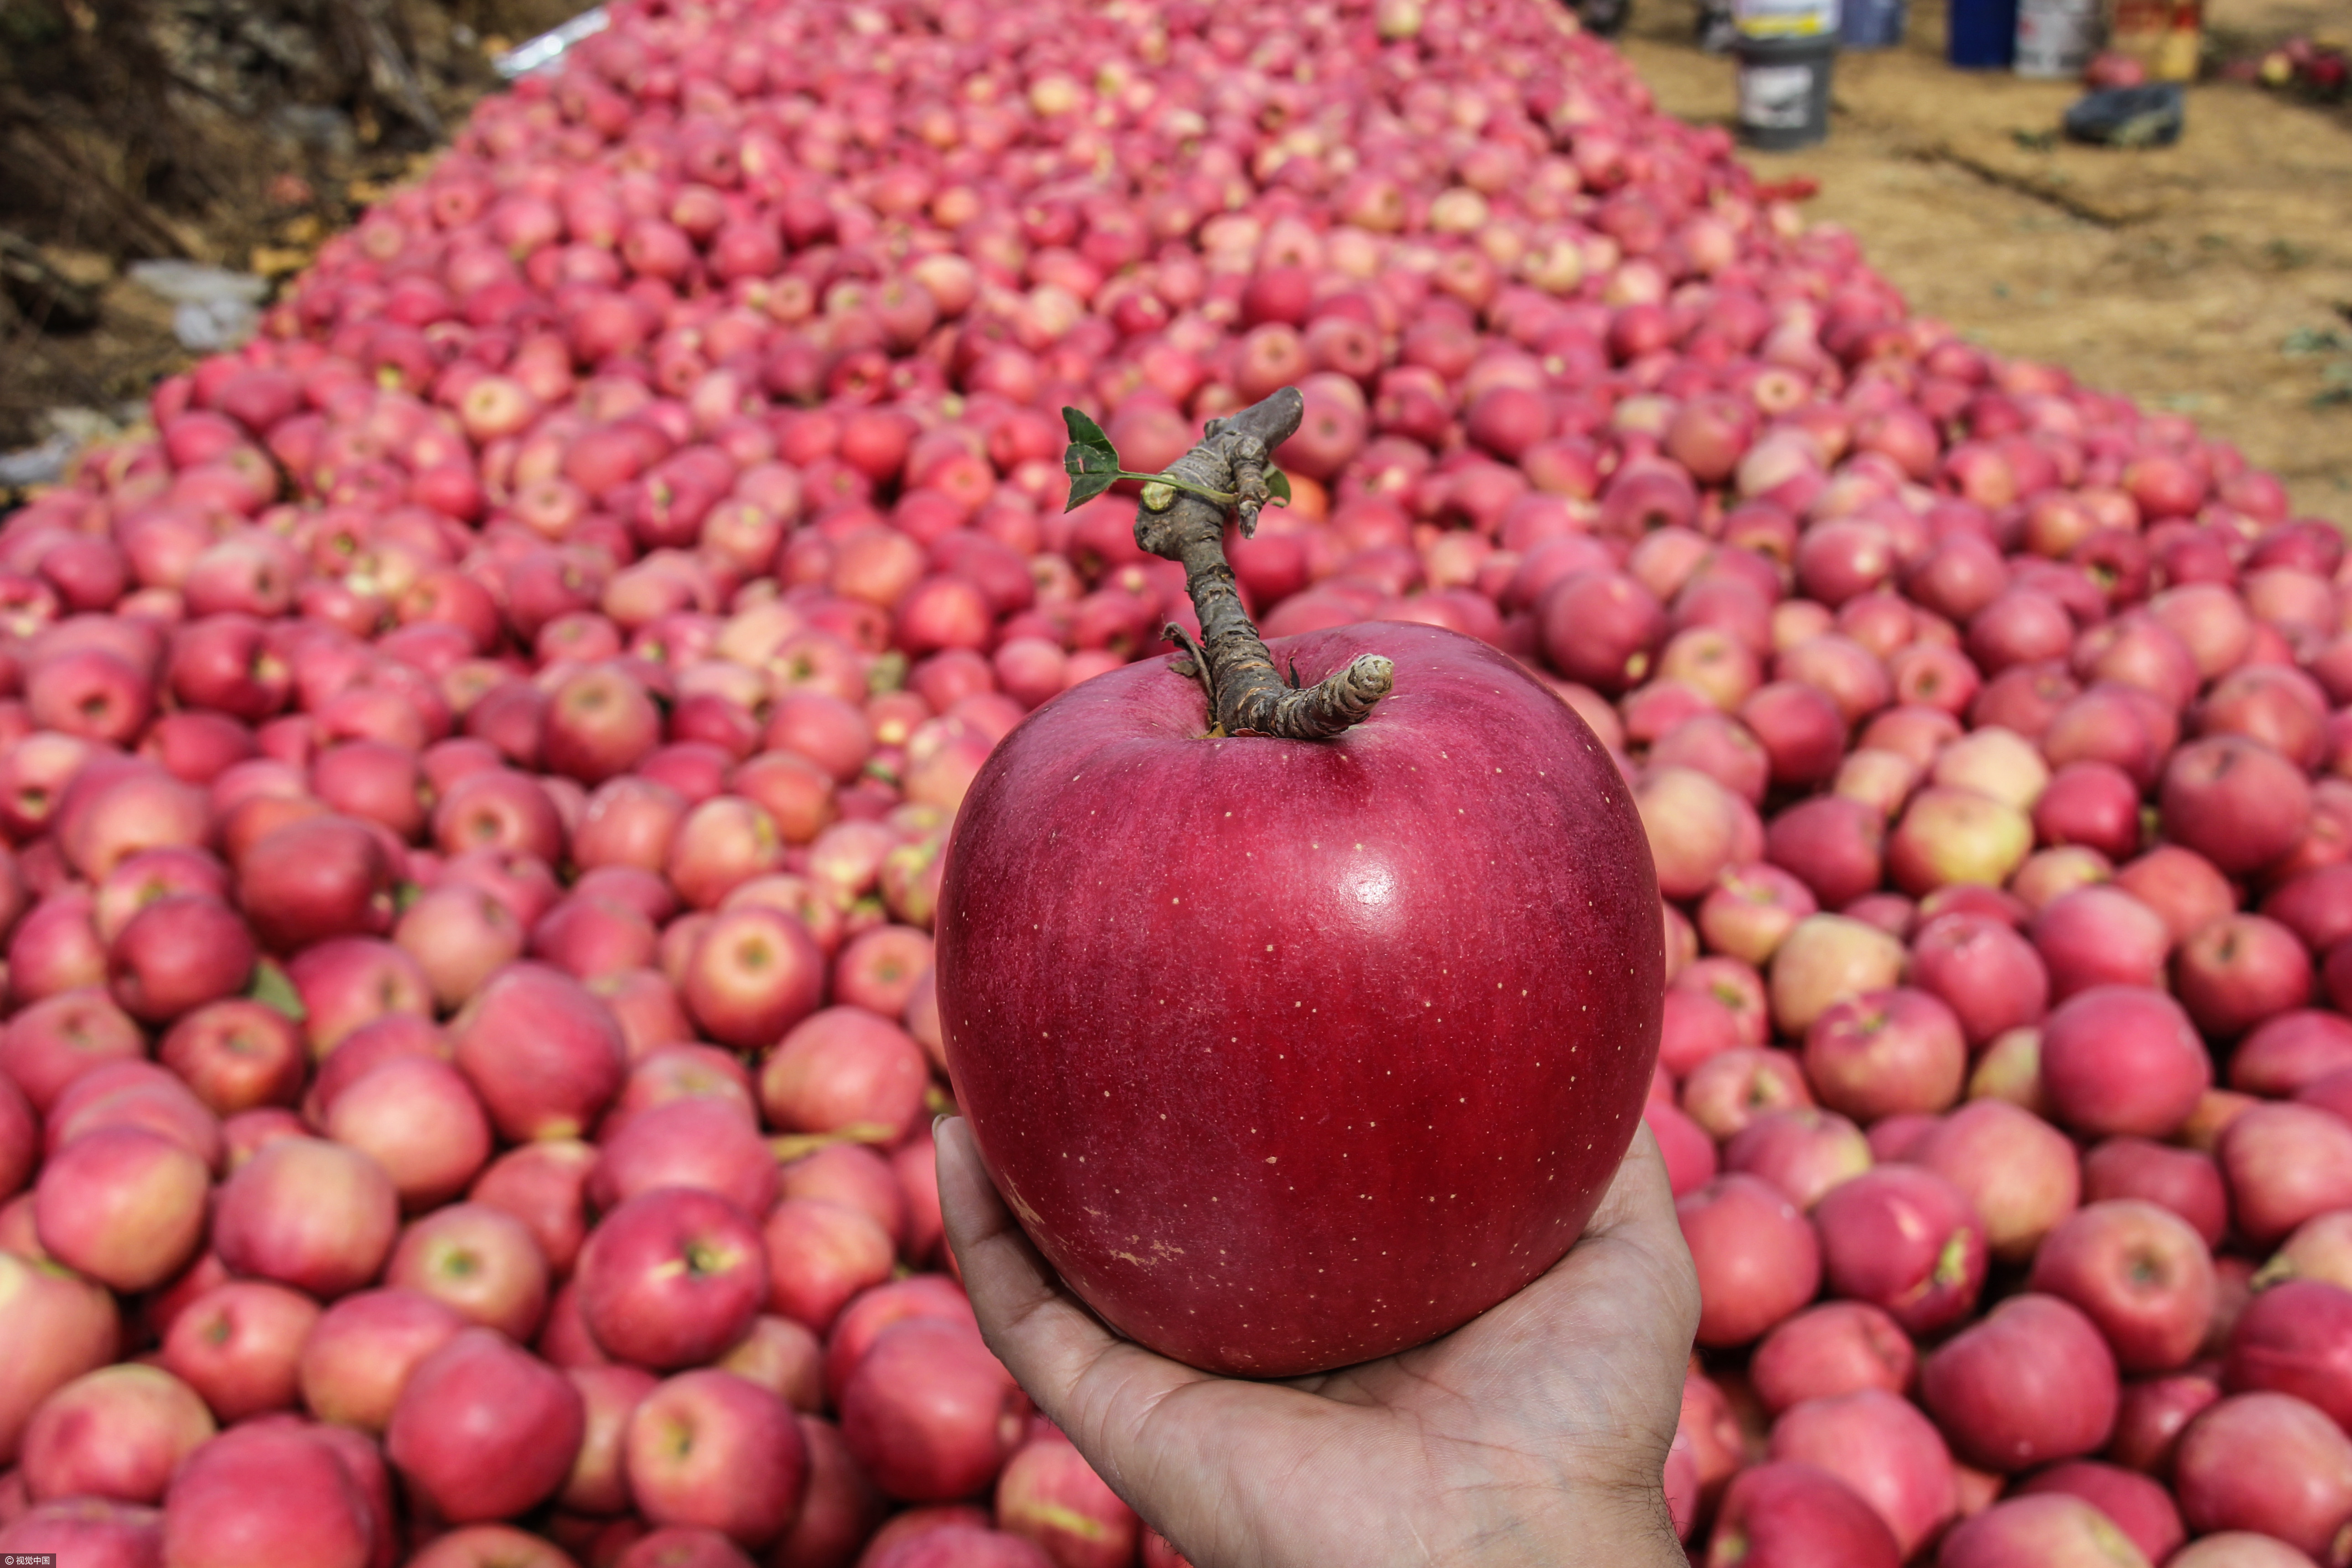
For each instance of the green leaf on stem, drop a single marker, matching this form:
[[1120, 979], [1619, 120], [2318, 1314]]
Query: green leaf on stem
[[1278, 485], [1091, 461], [272, 986]]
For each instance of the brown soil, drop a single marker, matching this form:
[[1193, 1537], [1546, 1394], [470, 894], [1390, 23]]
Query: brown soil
[[2212, 277]]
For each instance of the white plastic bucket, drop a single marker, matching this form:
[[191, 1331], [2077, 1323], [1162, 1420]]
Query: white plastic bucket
[[2056, 37]]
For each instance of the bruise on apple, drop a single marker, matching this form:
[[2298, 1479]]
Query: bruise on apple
[[1286, 1053]]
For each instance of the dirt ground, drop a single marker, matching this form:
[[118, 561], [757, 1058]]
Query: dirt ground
[[257, 150], [2212, 277]]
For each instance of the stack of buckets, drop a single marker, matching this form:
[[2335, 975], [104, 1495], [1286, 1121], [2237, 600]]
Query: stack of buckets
[[1784, 48]]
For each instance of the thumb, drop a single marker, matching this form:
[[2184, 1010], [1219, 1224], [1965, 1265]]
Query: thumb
[[1059, 1352]]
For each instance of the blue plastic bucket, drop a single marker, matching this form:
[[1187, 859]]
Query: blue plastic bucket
[[1872, 24], [1983, 35]]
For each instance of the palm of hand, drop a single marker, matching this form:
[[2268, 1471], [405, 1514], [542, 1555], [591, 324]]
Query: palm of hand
[[1535, 1433]]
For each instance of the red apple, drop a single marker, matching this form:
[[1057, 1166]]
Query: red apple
[[347, 983], [2292, 1052], [2290, 1339], [698, 1142], [783, 1357], [929, 1414], [235, 1054], [272, 1494], [2031, 1382], [2121, 1059], [2098, 935], [178, 953], [542, 1053], [1904, 1239], [1836, 1348], [754, 973], [2271, 1463], [124, 1206], [1885, 1053], [2154, 1412], [845, 1070], [240, 1345], [2240, 970], [878, 969], [2283, 1164], [840, 1509], [542, 1184], [479, 1261], [600, 723], [2137, 1506], [1731, 1090], [1831, 843], [417, 1118], [2184, 1180], [1883, 1448], [49, 1044], [1802, 1151], [2181, 886], [716, 1451], [309, 1214], [483, 1430], [2140, 1272], [461, 936], [116, 1433], [134, 1095], [319, 877], [2234, 801], [819, 1256], [1692, 1027], [2054, 1529], [358, 1355], [672, 1277], [87, 1531], [2019, 1174], [1787, 1514], [1049, 1494], [1758, 1258], [990, 994], [609, 1396]]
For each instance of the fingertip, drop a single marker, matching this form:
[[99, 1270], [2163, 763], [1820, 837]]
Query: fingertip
[[969, 1206]]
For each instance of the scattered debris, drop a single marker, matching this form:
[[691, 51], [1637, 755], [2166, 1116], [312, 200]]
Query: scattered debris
[[215, 309], [2148, 116], [543, 52]]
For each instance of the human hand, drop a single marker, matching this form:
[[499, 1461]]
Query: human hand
[[1535, 1433]]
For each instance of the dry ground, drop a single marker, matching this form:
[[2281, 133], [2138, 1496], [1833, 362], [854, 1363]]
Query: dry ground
[[2214, 278]]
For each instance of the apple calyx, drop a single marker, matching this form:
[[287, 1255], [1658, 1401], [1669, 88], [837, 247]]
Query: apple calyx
[[1179, 521]]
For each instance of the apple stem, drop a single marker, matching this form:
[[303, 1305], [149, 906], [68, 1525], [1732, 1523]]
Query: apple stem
[[1248, 696]]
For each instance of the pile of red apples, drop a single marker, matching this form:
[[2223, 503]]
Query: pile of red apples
[[475, 782]]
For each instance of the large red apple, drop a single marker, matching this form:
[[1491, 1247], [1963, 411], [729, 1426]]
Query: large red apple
[[1290, 1054]]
